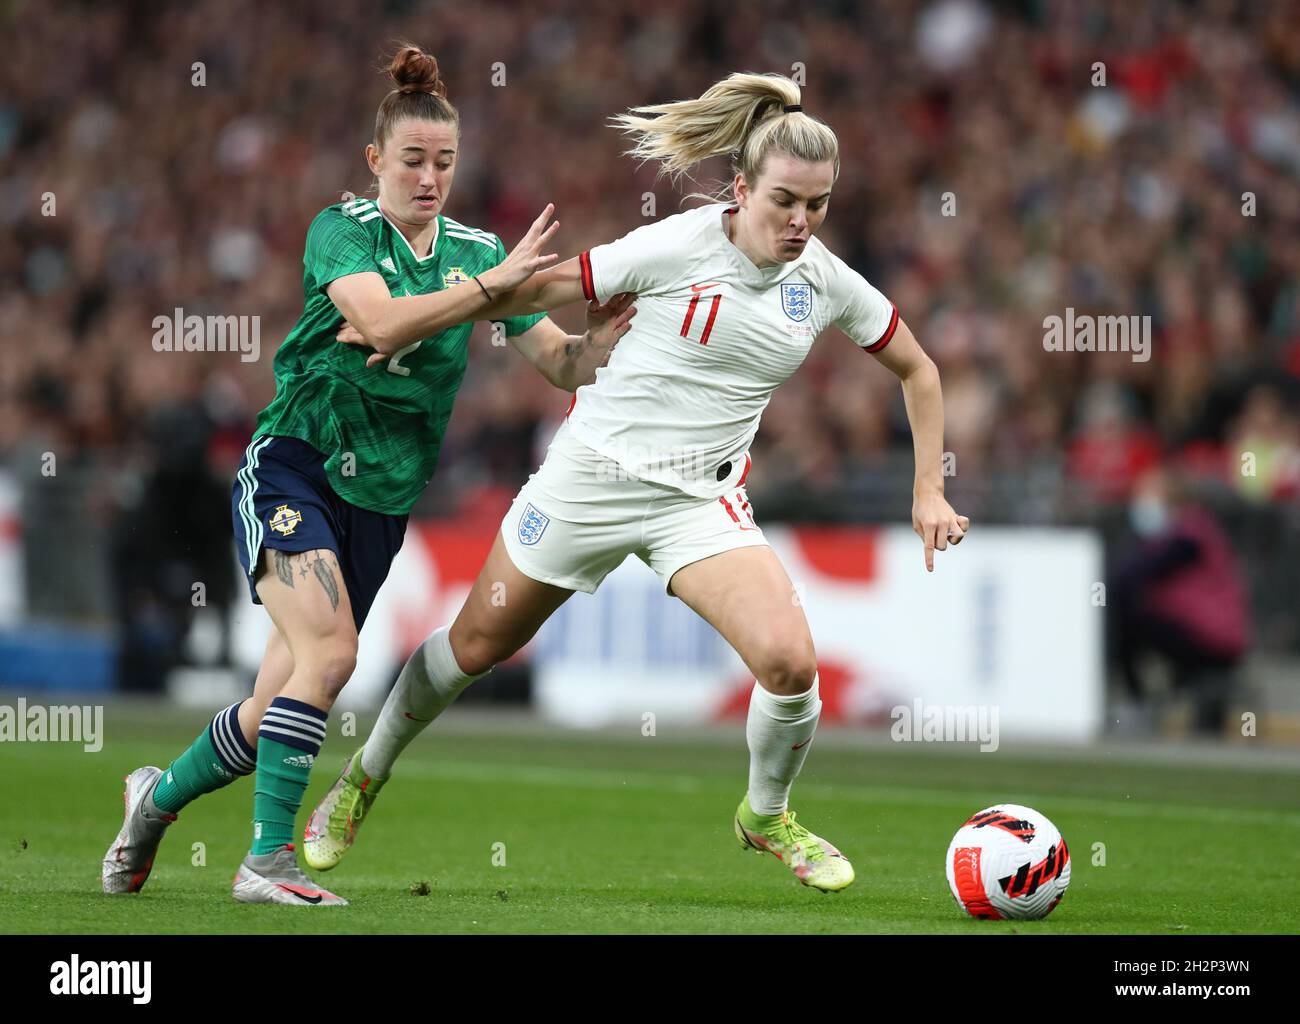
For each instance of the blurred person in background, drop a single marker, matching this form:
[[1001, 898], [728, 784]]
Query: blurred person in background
[[1265, 441], [1178, 594], [171, 533], [1112, 447]]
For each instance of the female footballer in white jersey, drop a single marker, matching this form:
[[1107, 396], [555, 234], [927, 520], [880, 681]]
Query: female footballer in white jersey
[[652, 457]]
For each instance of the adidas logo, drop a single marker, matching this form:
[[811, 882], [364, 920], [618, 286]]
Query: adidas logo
[[301, 761], [387, 264]]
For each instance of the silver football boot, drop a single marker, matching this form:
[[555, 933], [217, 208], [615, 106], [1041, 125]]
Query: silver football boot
[[276, 878], [130, 859]]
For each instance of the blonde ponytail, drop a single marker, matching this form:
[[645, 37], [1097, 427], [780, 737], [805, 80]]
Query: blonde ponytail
[[742, 117]]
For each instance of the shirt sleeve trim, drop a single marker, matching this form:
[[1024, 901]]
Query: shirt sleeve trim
[[889, 331], [588, 282]]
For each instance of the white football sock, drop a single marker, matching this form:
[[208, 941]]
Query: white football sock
[[429, 681], [779, 731]]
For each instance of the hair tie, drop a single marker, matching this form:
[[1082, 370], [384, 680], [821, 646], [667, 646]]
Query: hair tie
[[793, 108], [430, 88]]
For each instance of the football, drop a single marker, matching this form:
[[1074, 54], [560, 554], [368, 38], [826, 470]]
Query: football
[[1008, 861]]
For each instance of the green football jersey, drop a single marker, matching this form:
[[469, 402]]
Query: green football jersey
[[380, 428]]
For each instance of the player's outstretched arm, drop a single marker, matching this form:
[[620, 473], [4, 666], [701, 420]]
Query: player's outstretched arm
[[570, 360], [387, 323], [933, 518], [539, 293]]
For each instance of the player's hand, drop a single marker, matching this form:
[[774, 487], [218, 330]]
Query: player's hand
[[526, 258], [609, 322], [937, 525], [349, 335]]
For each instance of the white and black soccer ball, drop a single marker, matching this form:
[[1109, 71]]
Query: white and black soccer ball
[[1008, 861]]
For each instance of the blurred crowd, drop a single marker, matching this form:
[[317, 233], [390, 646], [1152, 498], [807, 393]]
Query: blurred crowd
[[1002, 162], [989, 180]]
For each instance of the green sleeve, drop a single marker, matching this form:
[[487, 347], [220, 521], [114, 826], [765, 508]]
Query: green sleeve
[[515, 324], [337, 245]]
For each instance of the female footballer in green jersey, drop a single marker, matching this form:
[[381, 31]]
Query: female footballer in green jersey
[[338, 458]]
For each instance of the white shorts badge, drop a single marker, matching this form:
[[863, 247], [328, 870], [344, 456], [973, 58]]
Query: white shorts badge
[[532, 524]]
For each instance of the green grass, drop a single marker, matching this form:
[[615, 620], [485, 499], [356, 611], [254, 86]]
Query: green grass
[[608, 835]]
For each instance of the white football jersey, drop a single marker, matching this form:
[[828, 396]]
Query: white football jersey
[[714, 336]]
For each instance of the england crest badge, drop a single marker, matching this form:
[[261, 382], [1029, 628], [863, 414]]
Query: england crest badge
[[796, 301], [532, 524]]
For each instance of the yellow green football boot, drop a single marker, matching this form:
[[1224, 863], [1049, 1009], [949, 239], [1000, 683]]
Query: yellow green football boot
[[332, 827], [814, 861]]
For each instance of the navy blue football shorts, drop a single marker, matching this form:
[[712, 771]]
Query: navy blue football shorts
[[282, 500]]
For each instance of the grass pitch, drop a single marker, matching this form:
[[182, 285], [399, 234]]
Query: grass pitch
[[491, 829]]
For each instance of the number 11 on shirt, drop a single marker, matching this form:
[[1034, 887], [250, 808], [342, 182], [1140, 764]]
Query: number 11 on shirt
[[690, 312]]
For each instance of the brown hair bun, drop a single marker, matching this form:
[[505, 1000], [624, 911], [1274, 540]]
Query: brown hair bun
[[421, 94], [413, 70]]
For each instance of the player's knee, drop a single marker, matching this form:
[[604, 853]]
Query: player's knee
[[787, 668], [477, 654], [332, 663], [476, 650]]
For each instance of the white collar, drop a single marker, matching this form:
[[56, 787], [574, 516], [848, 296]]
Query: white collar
[[433, 245]]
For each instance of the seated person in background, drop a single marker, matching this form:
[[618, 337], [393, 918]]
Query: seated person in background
[[1179, 593]]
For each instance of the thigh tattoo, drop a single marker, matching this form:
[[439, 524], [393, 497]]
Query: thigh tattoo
[[325, 570]]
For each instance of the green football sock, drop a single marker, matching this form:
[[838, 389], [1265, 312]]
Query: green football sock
[[289, 739], [215, 759]]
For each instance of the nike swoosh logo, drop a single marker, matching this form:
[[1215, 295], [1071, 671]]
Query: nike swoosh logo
[[706, 286], [803, 744], [305, 899], [414, 719]]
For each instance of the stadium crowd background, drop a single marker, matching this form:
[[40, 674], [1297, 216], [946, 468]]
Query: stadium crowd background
[[1128, 198]]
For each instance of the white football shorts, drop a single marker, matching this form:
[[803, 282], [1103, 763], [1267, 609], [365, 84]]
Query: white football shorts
[[580, 515]]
